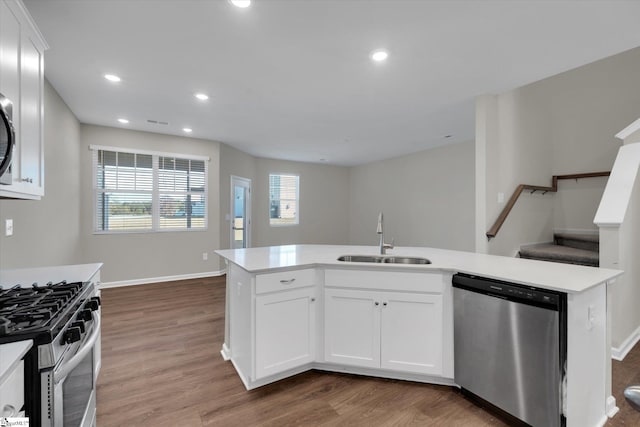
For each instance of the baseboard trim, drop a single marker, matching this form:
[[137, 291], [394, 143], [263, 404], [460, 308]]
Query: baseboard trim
[[619, 353], [120, 283], [612, 408]]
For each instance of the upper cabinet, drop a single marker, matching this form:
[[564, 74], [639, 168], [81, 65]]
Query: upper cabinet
[[22, 81]]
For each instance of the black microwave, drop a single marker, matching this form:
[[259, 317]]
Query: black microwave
[[7, 139]]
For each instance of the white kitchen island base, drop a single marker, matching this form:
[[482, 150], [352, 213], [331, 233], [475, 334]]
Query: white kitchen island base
[[295, 308]]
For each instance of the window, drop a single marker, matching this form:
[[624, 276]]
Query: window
[[283, 199], [145, 191]]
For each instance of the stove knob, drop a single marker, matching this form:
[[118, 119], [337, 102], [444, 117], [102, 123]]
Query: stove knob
[[97, 299], [72, 335], [92, 305], [79, 324], [84, 315]]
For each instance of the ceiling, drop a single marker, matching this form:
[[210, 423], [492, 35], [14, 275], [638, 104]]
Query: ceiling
[[293, 79]]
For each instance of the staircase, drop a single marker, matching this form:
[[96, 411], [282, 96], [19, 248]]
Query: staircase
[[581, 249]]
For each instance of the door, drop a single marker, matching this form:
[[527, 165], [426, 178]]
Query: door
[[240, 212], [411, 333], [285, 330], [352, 327]]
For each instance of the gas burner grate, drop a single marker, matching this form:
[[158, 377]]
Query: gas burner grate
[[24, 309]]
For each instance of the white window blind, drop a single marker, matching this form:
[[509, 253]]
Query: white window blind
[[284, 199], [137, 192]]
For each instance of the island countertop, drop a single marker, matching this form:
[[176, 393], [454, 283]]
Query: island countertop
[[548, 275]]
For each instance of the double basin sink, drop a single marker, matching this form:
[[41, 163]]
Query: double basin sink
[[384, 259]]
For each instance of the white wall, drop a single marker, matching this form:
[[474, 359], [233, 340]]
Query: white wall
[[46, 232], [139, 256], [564, 124], [427, 199]]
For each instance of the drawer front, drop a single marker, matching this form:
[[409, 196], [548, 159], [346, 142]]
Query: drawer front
[[12, 392], [385, 280], [285, 280]]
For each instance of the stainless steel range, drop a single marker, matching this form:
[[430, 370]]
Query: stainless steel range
[[63, 320]]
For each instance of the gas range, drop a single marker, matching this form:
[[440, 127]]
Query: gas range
[[63, 320]]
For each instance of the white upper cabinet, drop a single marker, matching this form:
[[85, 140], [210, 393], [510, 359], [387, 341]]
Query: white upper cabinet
[[22, 81]]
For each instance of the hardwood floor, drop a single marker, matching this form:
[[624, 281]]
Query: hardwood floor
[[161, 366]]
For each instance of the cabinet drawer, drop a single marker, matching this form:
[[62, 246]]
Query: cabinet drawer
[[285, 280], [385, 280]]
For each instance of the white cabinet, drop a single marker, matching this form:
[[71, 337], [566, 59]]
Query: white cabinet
[[22, 81], [411, 333], [352, 328], [12, 393], [400, 331], [285, 330]]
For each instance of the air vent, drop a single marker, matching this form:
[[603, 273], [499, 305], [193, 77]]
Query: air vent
[[156, 122]]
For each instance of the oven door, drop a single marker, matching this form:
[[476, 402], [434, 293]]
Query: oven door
[[74, 387]]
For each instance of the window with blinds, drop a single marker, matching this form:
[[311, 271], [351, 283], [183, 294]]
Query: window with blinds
[[141, 191], [284, 199]]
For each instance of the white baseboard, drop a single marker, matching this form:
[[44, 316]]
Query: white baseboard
[[619, 353], [611, 407], [148, 280]]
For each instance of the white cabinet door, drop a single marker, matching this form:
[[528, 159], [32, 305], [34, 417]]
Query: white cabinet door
[[411, 333], [352, 328], [12, 392], [285, 330], [31, 124], [22, 82]]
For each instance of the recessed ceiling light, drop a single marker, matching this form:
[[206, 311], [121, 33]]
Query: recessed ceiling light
[[201, 96], [379, 55], [123, 121], [187, 130], [241, 3], [112, 78]]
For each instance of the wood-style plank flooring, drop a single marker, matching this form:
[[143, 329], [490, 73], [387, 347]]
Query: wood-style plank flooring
[[161, 366]]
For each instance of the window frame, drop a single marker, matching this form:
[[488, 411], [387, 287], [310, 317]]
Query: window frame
[[155, 192], [297, 217]]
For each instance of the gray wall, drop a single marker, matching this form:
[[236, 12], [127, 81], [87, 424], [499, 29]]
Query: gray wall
[[238, 163], [46, 232], [561, 125], [324, 204], [148, 255], [427, 199]]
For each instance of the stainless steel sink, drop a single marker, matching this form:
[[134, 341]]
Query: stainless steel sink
[[384, 259], [360, 258], [405, 260]]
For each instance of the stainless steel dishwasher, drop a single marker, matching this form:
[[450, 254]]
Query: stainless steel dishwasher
[[510, 348]]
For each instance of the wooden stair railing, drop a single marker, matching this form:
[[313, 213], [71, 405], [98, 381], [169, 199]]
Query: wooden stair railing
[[554, 188]]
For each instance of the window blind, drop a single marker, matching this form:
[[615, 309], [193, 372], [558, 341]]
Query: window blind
[[148, 192], [283, 199]]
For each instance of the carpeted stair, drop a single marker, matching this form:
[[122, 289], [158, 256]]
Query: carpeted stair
[[582, 249]]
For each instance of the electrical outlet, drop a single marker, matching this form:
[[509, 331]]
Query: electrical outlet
[[205, 256], [500, 197], [8, 227]]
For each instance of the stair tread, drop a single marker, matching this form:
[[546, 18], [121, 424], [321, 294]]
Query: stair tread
[[551, 251], [583, 237]]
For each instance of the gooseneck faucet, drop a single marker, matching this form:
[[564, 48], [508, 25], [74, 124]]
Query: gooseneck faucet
[[380, 231]]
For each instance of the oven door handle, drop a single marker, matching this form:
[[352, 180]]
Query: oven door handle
[[61, 374]]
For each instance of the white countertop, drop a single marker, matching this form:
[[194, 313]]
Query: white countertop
[[560, 277], [43, 275], [10, 355]]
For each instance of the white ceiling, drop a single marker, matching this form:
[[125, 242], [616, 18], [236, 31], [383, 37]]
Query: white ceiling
[[292, 79]]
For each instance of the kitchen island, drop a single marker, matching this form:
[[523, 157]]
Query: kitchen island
[[294, 308]]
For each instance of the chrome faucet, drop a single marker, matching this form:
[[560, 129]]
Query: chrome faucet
[[380, 230]]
